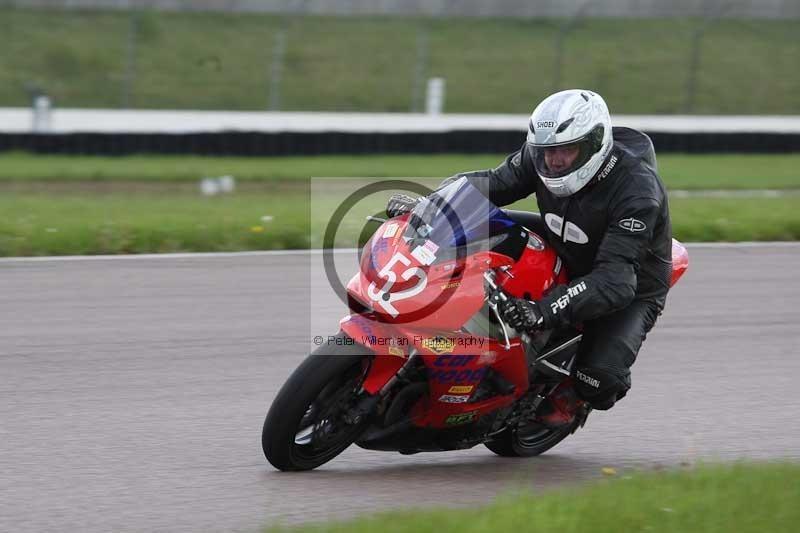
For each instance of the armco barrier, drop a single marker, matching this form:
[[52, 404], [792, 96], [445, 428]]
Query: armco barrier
[[301, 143]]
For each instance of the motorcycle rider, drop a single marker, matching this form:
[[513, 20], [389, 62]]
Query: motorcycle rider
[[604, 209]]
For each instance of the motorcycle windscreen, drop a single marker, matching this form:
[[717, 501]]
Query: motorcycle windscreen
[[457, 216], [418, 275]]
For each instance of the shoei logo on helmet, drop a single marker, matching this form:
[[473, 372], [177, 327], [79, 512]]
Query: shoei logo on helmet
[[632, 225], [546, 124]]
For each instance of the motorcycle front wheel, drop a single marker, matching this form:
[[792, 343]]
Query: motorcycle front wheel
[[306, 424]]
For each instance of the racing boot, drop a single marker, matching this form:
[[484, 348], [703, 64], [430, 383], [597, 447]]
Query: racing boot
[[561, 407]]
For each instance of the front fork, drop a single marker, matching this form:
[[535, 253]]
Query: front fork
[[369, 402]]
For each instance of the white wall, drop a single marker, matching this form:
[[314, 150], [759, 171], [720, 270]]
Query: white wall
[[20, 120]]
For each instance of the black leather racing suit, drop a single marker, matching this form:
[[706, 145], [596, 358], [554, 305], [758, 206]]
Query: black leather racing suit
[[615, 238]]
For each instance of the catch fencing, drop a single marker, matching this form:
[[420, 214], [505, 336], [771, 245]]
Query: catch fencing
[[453, 8], [723, 60]]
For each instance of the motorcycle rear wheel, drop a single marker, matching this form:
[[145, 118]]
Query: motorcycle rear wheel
[[304, 427], [528, 442]]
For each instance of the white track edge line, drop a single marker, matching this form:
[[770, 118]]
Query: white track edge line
[[267, 253]]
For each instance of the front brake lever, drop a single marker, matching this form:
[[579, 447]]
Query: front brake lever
[[492, 299], [502, 325]]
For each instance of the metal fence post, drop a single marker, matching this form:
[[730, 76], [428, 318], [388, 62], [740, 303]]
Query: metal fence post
[[292, 8], [565, 28], [710, 17], [420, 67], [276, 71], [130, 59]]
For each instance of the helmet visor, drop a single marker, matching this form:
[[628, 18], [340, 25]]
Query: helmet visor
[[560, 159]]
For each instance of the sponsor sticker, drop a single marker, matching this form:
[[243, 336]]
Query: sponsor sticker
[[452, 360], [431, 246], [391, 230], [439, 345], [397, 352], [379, 246], [442, 375], [461, 418], [423, 255], [454, 398], [460, 389], [449, 369], [451, 285], [535, 243]]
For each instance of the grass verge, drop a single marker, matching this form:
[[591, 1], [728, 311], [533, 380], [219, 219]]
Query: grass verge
[[150, 222], [740, 498], [279, 217], [729, 171]]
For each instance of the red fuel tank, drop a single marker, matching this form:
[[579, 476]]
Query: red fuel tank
[[536, 271]]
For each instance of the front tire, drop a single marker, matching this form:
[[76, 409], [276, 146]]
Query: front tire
[[305, 427]]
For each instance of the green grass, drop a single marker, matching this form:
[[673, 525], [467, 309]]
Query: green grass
[[57, 205], [174, 60], [143, 222], [30, 167], [141, 219], [748, 171], [710, 499], [732, 220]]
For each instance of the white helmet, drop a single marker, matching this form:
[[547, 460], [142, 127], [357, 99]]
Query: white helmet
[[573, 117]]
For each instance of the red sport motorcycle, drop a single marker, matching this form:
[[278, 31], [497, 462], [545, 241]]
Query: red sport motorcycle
[[424, 362]]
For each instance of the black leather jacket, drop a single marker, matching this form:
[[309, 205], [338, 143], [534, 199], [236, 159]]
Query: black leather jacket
[[614, 235]]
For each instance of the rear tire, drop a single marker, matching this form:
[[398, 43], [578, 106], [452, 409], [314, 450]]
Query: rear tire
[[529, 441], [309, 408]]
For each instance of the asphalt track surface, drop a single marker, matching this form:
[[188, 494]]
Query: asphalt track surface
[[133, 393]]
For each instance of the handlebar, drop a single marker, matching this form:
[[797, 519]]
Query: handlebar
[[495, 294]]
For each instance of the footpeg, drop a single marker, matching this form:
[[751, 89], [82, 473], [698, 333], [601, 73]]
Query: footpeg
[[582, 415]]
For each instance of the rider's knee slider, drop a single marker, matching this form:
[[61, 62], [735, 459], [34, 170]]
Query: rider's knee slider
[[600, 387]]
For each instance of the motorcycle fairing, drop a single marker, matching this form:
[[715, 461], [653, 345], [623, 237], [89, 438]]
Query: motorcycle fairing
[[680, 261], [395, 282], [375, 335], [455, 372], [455, 364]]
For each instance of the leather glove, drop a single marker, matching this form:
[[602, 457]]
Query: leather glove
[[521, 314], [399, 204]]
